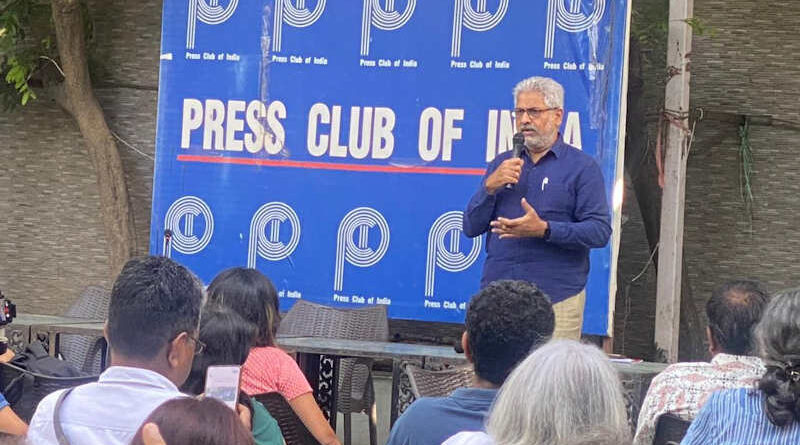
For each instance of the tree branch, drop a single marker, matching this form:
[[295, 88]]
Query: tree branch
[[58, 94]]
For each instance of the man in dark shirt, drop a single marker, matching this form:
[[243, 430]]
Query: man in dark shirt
[[505, 321], [542, 225]]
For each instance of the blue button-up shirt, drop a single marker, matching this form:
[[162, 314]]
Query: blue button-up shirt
[[737, 416], [566, 189]]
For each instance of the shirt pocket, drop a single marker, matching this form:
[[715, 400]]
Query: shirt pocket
[[556, 202]]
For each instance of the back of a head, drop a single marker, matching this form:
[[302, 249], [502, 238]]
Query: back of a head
[[153, 300], [733, 311], [227, 338], [778, 340], [504, 322], [191, 421], [253, 296], [602, 435], [563, 393]]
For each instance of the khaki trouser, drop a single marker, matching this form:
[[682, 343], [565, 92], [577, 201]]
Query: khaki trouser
[[569, 316]]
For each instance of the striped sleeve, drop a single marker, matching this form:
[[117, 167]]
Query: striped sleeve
[[703, 430]]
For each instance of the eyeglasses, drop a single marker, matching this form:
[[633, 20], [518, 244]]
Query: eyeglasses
[[533, 113], [199, 346]]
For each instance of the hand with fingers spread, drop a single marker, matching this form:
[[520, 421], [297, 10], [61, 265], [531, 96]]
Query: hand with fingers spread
[[527, 225], [506, 173]]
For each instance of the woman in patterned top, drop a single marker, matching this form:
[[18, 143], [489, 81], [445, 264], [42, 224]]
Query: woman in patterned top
[[268, 368], [769, 414]]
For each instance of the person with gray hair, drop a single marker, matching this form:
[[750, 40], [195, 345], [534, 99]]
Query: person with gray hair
[[544, 207], [564, 393], [770, 413], [504, 322]]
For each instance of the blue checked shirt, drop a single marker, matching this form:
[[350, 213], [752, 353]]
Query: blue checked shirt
[[566, 189]]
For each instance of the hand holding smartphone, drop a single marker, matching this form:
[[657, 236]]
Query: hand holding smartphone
[[222, 383]]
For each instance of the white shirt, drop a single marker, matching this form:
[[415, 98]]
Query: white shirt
[[107, 412], [469, 438]]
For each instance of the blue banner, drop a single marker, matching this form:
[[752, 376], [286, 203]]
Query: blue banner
[[333, 144]]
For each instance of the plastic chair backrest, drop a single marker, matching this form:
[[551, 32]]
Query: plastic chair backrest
[[315, 320], [670, 429], [429, 383], [82, 351], [292, 428]]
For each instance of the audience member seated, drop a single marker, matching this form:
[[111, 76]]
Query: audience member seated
[[152, 324], [10, 423], [770, 413], [565, 393], [504, 322], [682, 388], [227, 338], [191, 421], [268, 368]]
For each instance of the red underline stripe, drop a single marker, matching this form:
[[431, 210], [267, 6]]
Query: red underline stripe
[[333, 166]]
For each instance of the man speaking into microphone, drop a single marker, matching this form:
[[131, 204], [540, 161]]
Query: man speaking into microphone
[[544, 206]]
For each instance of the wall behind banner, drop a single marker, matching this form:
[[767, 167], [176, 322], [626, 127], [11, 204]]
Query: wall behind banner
[[333, 144]]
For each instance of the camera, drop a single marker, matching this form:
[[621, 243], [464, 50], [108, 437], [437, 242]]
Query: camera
[[8, 310]]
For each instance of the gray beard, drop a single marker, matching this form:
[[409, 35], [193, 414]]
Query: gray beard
[[538, 142]]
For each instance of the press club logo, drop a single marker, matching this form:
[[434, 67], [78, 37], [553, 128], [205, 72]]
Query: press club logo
[[575, 19], [296, 14], [384, 18], [265, 233], [179, 223], [478, 19], [210, 12], [444, 248], [352, 241]]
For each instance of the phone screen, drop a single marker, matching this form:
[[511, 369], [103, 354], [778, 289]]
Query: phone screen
[[222, 383]]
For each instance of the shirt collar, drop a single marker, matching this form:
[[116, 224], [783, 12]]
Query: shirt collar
[[475, 393], [724, 359], [557, 149], [140, 376]]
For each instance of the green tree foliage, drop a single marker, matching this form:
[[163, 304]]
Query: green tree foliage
[[28, 55], [21, 52]]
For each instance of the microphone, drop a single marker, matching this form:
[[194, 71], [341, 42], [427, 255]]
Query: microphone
[[167, 240], [519, 145]]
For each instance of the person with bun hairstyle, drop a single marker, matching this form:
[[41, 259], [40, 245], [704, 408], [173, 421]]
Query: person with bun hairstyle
[[770, 413]]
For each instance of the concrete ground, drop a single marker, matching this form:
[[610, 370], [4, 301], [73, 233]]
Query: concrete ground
[[383, 397]]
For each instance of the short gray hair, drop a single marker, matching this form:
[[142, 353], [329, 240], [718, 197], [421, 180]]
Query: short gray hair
[[563, 392], [552, 91]]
